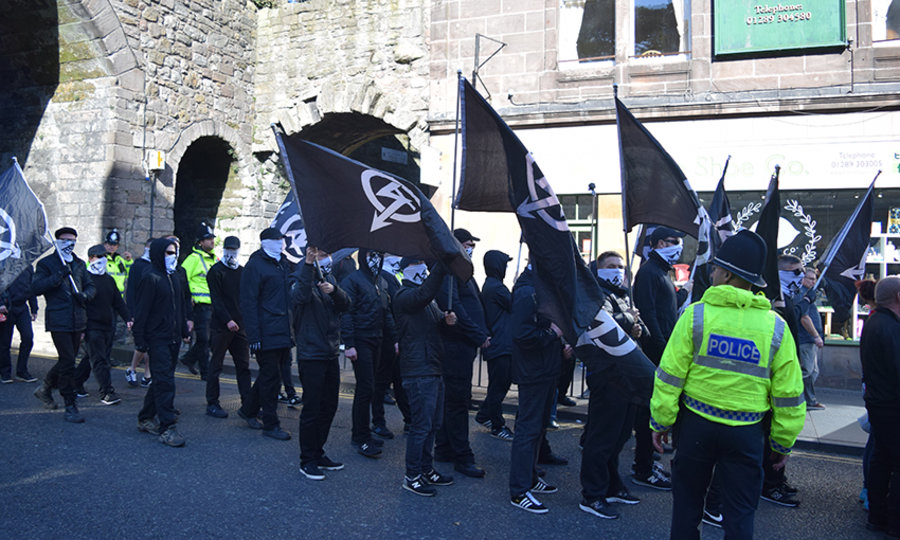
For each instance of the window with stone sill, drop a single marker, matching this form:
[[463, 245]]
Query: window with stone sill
[[885, 21], [658, 29]]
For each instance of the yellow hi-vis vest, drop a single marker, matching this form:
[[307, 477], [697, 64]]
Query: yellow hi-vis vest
[[730, 359], [117, 267], [196, 265]]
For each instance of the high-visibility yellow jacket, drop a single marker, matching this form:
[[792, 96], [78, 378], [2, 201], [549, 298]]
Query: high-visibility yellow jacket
[[730, 359], [196, 265], [117, 267]]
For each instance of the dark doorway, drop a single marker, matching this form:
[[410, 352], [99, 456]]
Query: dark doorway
[[200, 182]]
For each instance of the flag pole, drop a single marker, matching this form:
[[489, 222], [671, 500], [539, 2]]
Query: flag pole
[[454, 194], [519, 257], [628, 257]]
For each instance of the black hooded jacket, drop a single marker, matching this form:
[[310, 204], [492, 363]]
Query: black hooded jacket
[[317, 327], [370, 315], [470, 329], [656, 299], [265, 302], [160, 314], [65, 310], [135, 274], [497, 302], [537, 350], [19, 292], [418, 325]]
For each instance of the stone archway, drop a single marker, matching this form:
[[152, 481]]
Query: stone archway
[[203, 173]]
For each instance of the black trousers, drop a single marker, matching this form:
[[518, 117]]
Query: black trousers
[[221, 340], [565, 377], [368, 351], [62, 374], [535, 403], [771, 478], [263, 394], [19, 317], [610, 418], [286, 381], [452, 439], [321, 381], [884, 469], [159, 400], [99, 348], [643, 442], [736, 453], [387, 373], [199, 351], [426, 394], [499, 381]]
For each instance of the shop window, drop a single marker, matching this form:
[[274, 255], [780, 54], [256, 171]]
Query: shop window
[[659, 27], [885, 20]]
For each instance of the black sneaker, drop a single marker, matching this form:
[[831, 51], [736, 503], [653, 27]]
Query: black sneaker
[[712, 517], [171, 437], [283, 398], [72, 415], [489, 424], [26, 377], [504, 434], [623, 497], [81, 392], [325, 463], [419, 486], [437, 479], [378, 443], [368, 450], [192, 367], [251, 421], [788, 488], [277, 433], [778, 496], [599, 508], [149, 425], [541, 486], [6, 379], [110, 398], [45, 394], [145, 382], [312, 471], [566, 401], [383, 432], [653, 480], [216, 411], [294, 401], [528, 503]]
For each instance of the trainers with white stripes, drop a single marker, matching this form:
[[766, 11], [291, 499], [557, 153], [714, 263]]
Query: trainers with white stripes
[[541, 486], [528, 503]]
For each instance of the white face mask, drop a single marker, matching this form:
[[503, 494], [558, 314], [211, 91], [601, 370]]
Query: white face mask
[[273, 248], [373, 261], [616, 276], [391, 263], [66, 248], [469, 251], [790, 282], [416, 273], [670, 254], [230, 258], [325, 265], [98, 266], [146, 255], [171, 263]]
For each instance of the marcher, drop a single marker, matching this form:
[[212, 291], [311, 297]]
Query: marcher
[[62, 279], [135, 274], [364, 326], [730, 360], [159, 329], [497, 302], [320, 303], [810, 338], [266, 307], [196, 265], [101, 327], [227, 327], [20, 308], [879, 352], [387, 373], [419, 319]]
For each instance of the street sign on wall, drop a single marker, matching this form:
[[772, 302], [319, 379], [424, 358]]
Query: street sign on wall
[[748, 27]]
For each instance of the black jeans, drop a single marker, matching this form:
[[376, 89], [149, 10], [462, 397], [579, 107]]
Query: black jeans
[[286, 381], [452, 440], [535, 402], [884, 469], [62, 374], [499, 381], [387, 373], [426, 396], [263, 394], [610, 418], [368, 351], [235, 343], [771, 478], [736, 453], [199, 351], [643, 442], [99, 348], [565, 377], [159, 400], [321, 383], [19, 317]]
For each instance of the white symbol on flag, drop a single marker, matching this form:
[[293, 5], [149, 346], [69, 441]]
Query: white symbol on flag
[[400, 197], [536, 205], [8, 247]]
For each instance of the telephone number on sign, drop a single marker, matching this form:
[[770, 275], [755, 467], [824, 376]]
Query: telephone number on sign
[[781, 17]]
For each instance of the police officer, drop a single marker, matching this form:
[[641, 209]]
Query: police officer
[[117, 266], [196, 266], [729, 361]]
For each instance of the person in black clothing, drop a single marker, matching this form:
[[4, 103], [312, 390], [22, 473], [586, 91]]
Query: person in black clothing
[[387, 372], [656, 299], [461, 343], [226, 327], [62, 279], [497, 302], [266, 307], [364, 327], [101, 327], [879, 351], [537, 353], [15, 302], [159, 329], [137, 271], [320, 303], [419, 320]]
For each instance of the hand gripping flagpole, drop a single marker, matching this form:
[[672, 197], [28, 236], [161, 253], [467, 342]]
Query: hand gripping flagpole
[[454, 195]]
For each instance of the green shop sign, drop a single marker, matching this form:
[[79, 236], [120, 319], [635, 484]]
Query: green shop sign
[[746, 27]]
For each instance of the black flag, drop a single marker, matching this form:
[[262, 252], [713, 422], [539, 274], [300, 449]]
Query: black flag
[[767, 228], [346, 204], [23, 226], [654, 189], [290, 223], [721, 227]]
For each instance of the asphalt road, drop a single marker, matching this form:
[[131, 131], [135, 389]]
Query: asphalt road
[[104, 479]]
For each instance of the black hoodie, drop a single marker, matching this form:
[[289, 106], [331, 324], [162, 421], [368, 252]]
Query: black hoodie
[[497, 302], [537, 350], [370, 314], [160, 312]]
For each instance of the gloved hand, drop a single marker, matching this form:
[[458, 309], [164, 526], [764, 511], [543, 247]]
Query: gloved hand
[[255, 347], [81, 298]]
